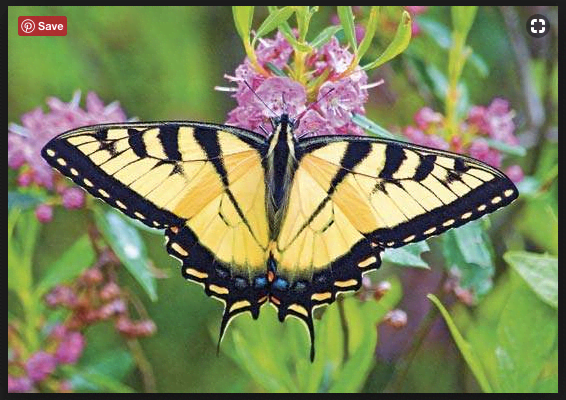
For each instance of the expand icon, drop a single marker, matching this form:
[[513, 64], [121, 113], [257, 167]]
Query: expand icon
[[538, 26]]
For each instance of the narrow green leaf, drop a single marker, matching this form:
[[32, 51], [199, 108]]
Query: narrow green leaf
[[243, 16], [274, 20], [325, 35], [463, 18], [23, 230], [465, 348], [74, 261], [371, 27], [407, 256], [128, 245], [356, 370], [367, 124], [540, 272], [347, 20], [398, 44], [14, 257], [438, 80], [437, 31], [274, 69], [506, 148], [479, 64]]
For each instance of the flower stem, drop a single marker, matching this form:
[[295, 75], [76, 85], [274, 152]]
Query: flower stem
[[143, 364]]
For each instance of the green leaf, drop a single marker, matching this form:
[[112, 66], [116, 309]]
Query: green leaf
[[472, 244], [347, 21], [437, 31], [274, 20], [367, 124], [527, 336], [74, 261], [371, 27], [325, 35], [463, 18], [23, 230], [539, 271], [408, 256], [441, 34], [103, 373], [128, 245], [438, 80], [465, 348], [243, 16], [467, 250], [356, 370], [506, 148], [398, 44], [23, 201], [479, 64], [529, 186]]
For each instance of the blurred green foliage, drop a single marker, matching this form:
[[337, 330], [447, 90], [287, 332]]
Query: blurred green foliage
[[162, 63]]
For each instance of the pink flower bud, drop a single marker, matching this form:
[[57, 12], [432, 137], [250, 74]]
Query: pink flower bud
[[44, 213]]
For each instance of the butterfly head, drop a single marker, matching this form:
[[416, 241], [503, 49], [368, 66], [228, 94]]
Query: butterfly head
[[284, 126]]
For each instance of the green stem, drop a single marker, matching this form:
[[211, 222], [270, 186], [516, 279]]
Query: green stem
[[143, 364], [345, 332]]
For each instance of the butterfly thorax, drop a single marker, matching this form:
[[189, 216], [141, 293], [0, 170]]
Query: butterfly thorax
[[280, 166]]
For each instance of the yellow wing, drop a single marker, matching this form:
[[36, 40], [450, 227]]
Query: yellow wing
[[175, 175], [351, 192]]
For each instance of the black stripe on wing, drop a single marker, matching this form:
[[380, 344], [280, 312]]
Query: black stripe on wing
[[471, 206], [72, 163]]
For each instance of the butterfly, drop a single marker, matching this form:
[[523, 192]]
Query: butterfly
[[280, 220]]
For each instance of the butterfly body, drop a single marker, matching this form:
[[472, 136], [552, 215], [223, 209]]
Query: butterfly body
[[276, 220]]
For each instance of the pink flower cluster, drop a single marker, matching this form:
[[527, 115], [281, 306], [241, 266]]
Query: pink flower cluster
[[494, 121], [26, 141], [324, 110], [65, 347]]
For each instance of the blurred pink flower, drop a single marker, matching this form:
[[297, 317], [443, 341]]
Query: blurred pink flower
[[70, 348], [515, 173], [73, 198], [19, 384], [40, 365], [26, 141], [44, 213], [494, 121]]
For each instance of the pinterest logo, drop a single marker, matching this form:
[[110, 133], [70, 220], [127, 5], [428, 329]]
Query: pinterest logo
[[27, 25], [44, 25]]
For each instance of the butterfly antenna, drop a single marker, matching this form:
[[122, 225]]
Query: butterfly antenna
[[284, 103], [260, 99], [311, 105]]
